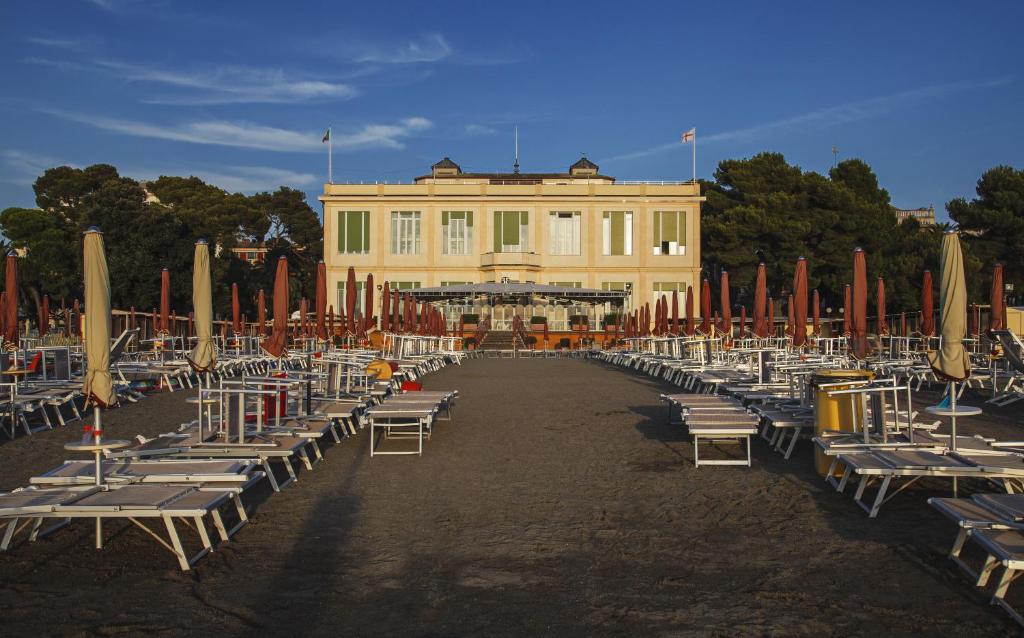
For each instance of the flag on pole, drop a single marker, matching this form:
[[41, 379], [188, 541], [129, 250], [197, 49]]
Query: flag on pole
[[689, 136], [327, 137]]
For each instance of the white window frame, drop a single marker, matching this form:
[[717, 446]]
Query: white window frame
[[564, 242], [405, 232], [678, 249], [457, 234], [627, 233]]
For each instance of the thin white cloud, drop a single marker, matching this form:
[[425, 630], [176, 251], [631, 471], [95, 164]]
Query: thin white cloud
[[827, 117], [71, 44], [431, 47], [22, 167], [479, 129], [235, 179], [254, 136]]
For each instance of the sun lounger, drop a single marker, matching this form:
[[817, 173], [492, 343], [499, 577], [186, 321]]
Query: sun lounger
[[230, 472]]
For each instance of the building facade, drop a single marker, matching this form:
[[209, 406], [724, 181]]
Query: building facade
[[924, 216], [578, 228]]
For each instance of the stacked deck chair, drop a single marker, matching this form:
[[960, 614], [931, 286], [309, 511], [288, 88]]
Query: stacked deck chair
[[714, 419]]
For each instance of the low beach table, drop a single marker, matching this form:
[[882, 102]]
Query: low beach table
[[401, 420], [731, 426], [952, 412]]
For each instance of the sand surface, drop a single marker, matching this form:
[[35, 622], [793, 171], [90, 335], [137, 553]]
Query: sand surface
[[558, 502]]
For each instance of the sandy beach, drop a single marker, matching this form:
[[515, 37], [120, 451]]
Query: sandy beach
[[558, 502]]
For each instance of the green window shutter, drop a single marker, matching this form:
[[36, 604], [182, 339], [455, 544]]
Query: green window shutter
[[341, 231], [497, 231], [671, 226], [366, 231], [682, 228], [444, 217], [657, 228], [510, 228], [618, 233], [469, 219], [354, 232]]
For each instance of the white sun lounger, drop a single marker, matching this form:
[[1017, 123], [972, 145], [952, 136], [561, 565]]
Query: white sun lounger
[[78, 472]]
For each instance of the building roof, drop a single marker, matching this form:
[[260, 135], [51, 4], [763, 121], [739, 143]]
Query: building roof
[[446, 162], [583, 162], [467, 291]]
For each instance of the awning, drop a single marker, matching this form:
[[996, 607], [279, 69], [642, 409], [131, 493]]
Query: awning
[[516, 290]]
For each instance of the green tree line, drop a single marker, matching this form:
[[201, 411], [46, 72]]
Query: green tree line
[[154, 225]]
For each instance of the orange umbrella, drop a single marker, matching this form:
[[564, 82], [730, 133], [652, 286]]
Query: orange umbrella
[[10, 332], [369, 319], [705, 307], [800, 303], [743, 322], [385, 307], [689, 312], [927, 306], [760, 301], [860, 304], [321, 300], [350, 300], [816, 313], [261, 312], [847, 309], [277, 342], [726, 307], [396, 323], [165, 301], [236, 311], [645, 322], [44, 316], [995, 317], [675, 312], [882, 328], [304, 317]]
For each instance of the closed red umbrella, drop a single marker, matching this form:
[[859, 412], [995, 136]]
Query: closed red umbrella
[[847, 310], [800, 303], [645, 322], [726, 306], [411, 309], [165, 301], [881, 327], [369, 320], [860, 304], [995, 317], [277, 342], [816, 313], [3, 313], [321, 300], [760, 301], [396, 325], [10, 332], [236, 311], [705, 307], [743, 322], [675, 312], [44, 316], [690, 327], [261, 312], [350, 300], [424, 318], [385, 307], [927, 305]]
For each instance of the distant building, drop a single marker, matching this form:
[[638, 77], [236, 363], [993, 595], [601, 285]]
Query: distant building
[[924, 216], [255, 254]]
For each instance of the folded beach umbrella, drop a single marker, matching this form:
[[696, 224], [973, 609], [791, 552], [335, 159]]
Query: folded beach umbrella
[[760, 301], [204, 356], [743, 322], [368, 321], [10, 332], [847, 310], [995, 317], [927, 305], [396, 316], [816, 313], [882, 328], [726, 307], [950, 361], [261, 313], [236, 311], [350, 300], [385, 307], [165, 301], [276, 343], [860, 304], [705, 307], [321, 300], [304, 317], [3, 313], [689, 312], [44, 316], [800, 304], [675, 312], [97, 385]]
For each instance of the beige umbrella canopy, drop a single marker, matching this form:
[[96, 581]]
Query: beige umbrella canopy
[[204, 357], [97, 386], [950, 361]]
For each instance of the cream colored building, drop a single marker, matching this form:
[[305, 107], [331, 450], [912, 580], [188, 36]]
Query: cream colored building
[[578, 228]]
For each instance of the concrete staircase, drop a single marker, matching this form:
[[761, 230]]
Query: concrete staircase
[[501, 340]]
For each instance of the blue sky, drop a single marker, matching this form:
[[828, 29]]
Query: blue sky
[[928, 93]]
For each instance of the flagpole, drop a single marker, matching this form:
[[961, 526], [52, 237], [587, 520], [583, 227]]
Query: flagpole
[[695, 155], [330, 156]]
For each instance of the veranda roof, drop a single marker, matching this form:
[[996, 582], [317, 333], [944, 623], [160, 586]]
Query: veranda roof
[[464, 291]]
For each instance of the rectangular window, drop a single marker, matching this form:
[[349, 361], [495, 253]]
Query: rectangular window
[[456, 283], [565, 233], [667, 288], [405, 232], [456, 232], [567, 284], [669, 232], [354, 231], [360, 298], [511, 231], [405, 285], [613, 285], [618, 232]]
